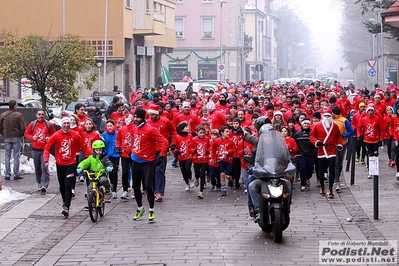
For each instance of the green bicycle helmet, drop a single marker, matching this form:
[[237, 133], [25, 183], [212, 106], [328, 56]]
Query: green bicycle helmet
[[98, 144]]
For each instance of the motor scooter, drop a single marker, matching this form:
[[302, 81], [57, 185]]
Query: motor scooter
[[272, 164]]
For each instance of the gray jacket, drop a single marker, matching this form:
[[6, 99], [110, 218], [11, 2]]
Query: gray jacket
[[100, 108]]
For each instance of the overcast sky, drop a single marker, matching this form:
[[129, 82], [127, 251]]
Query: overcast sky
[[323, 18]]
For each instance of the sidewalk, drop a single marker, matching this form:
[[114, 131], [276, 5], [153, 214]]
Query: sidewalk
[[212, 231]]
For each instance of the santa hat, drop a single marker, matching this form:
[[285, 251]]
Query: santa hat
[[370, 107], [305, 121], [186, 104], [153, 109], [278, 113], [65, 119], [327, 111]]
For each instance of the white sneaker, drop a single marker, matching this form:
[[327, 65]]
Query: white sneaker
[[191, 183], [337, 187], [125, 195], [132, 194], [303, 188], [114, 196], [397, 175], [39, 187], [187, 188], [73, 193]]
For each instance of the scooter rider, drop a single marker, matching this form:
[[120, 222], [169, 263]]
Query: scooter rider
[[260, 121]]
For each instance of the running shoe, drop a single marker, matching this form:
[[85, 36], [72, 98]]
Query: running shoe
[[151, 216], [139, 214], [200, 195], [65, 211], [125, 195]]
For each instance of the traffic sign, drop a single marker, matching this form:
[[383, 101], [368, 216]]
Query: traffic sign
[[221, 69], [372, 72], [371, 62]]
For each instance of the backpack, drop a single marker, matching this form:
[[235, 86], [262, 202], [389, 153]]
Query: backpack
[[35, 122], [2, 121]]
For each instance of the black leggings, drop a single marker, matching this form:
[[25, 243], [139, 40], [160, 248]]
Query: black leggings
[[199, 170], [325, 163], [236, 171], [66, 176], [113, 176], [371, 149], [140, 172], [125, 172], [185, 168]]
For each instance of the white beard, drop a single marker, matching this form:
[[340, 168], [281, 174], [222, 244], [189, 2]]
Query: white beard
[[327, 122]]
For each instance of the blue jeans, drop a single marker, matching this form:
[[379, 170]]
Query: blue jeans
[[12, 144], [254, 190], [247, 182], [160, 176]]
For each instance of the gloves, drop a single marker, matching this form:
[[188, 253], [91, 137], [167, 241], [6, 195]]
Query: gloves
[[79, 170], [319, 144], [290, 150], [339, 147], [119, 150], [109, 169], [172, 147], [159, 160]]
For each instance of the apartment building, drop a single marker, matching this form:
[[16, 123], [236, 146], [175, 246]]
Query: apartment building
[[220, 39], [134, 36]]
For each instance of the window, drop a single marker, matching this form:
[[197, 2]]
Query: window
[[99, 47], [179, 27], [129, 4], [207, 1], [207, 28], [180, 2]]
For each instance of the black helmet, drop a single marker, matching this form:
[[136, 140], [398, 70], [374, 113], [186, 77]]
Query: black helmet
[[260, 121]]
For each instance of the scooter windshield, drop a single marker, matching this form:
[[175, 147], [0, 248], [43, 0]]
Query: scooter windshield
[[272, 156]]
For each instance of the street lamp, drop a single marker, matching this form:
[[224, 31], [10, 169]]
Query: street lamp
[[63, 17], [105, 44], [374, 36], [221, 26], [99, 74]]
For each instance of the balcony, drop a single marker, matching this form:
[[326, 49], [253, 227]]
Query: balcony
[[149, 22]]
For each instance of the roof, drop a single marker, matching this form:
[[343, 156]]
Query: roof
[[391, 16]]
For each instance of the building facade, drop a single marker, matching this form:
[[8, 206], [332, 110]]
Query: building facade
[[219, 40], [135, 35]]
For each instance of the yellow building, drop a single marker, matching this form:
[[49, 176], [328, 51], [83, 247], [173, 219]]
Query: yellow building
[[138, 32]]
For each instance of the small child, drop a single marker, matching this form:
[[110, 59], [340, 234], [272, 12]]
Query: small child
[[199, 148], [184, 156], [224, 148], [97, 161], [212, 162]]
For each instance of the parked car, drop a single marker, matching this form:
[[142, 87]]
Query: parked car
[[109, 96], [181, 86], [212, 81]]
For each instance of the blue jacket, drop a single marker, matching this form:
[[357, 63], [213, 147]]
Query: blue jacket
[[110, 144]]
